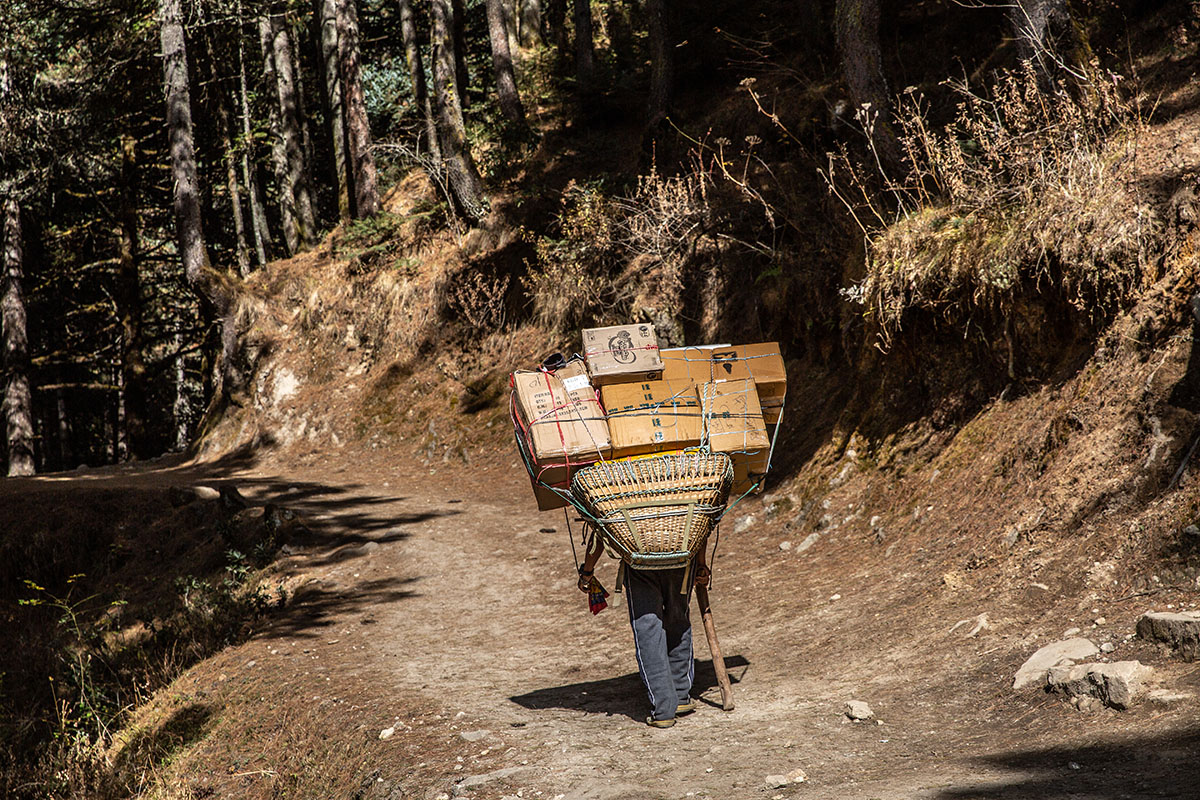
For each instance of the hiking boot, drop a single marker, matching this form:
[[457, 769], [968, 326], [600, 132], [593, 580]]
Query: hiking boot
[[660, 723], [686, 708]]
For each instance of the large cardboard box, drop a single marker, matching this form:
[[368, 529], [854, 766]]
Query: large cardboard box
[[563, 425], [622, 354], [562, 413], [733, 418], [692, 363], [762, 363], [652, 416]]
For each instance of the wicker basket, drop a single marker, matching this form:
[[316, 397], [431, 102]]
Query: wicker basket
[[656, 512]]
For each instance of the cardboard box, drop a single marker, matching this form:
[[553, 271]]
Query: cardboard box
[[622, 354], [692, 363], [558, 476], [762, 363], [733, 418], [561, 414], [652, 416], [749, 469]]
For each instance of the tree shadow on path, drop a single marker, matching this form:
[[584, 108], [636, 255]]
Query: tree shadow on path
[[1159, 766]]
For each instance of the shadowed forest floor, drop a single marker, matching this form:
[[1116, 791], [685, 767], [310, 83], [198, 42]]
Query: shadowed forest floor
[[437, 604]]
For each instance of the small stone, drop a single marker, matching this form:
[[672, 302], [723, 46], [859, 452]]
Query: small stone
[[857, 710], [475, 736], [1117, 685], [1179, 631], [206, 493], [744, 524], [1033, 671], [835, 597], [1101, 621], [808, 542], [776, 781], [785, 546], [1069, 632], [387, 733], [1192, 530], [1107, 647], [1167, 697], [797, 776]]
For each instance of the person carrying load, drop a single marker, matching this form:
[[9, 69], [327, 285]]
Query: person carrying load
[[658, 603]]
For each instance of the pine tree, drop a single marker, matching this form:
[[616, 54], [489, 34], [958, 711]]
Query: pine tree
[[18, 399], [502, 64]]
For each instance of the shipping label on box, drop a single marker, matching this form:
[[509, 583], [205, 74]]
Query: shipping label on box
[[733, 418], [761, 363], [693, 363], [561, 414], [622, 354], [652, 416]]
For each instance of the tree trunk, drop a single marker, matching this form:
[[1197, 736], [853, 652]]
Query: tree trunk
[[1034, 24], [279, 160], [235, 192], [856, 24], [258, 215], [362, 162], [333, 95], [128, 299], [529, 22], [585, 58], [179, 409], [506, 83], [212, 287], [462, 78], [65, 450], [18, 398], [556, 21], [294, 186], [661, 48], [306, 146], [508, 12], [465, 183], [416, 73]]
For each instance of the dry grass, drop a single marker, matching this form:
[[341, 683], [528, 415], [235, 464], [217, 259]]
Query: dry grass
[[1023, 190]]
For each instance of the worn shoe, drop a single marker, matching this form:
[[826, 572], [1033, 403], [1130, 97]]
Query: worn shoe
[[685, 708], [660, 723]]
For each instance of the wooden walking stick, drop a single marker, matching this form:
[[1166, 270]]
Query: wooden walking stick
[[714, 647]]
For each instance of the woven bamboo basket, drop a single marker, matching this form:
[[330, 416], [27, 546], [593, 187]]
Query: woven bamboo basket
[[657, 512]]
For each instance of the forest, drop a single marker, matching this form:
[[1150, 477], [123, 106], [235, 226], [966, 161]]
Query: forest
[[131, 223], [969, 224]]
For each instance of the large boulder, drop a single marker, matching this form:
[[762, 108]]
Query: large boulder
[[1117, 685], [1066, 652], [1178, 631]]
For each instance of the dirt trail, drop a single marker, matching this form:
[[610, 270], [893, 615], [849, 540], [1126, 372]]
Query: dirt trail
[[447, 612]]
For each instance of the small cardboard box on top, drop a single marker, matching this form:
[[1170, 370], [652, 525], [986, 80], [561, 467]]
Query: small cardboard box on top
[[761, 362], [563, 424], [652, 416], [622, 354]]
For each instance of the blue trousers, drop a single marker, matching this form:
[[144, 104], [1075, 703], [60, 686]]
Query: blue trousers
[[662, 635]]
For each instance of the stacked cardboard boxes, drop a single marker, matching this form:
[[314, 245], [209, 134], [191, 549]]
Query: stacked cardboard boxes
[[562, 426], [633, 399]]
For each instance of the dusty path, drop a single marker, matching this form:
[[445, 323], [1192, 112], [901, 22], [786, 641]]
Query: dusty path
[[443, 608]]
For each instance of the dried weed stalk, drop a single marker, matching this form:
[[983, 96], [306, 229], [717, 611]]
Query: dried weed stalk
[[1024, 186]]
